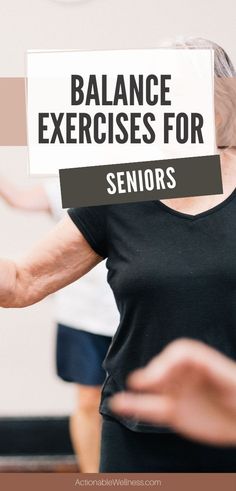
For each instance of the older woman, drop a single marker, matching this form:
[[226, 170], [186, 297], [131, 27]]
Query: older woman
[[172, 268]]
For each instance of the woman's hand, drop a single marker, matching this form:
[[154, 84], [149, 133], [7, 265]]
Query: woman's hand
[[190, 387], [61, 258], [32, 198]]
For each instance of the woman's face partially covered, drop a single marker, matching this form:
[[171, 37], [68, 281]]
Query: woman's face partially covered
[[224, 85]]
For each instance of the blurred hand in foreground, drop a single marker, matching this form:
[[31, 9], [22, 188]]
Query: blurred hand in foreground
[[190, 387]]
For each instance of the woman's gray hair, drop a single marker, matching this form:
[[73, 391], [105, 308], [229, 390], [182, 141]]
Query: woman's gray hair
[[223, 64], [225, 86]]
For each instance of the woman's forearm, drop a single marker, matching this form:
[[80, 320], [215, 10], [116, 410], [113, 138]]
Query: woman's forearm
[[21, 288], [8, 276], [61, 258]]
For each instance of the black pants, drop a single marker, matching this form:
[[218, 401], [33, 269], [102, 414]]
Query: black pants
[[124, 450]]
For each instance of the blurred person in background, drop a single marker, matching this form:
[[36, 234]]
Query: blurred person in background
[[86, 318]]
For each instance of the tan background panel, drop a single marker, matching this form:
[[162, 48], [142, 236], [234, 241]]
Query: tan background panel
[[13, 112]]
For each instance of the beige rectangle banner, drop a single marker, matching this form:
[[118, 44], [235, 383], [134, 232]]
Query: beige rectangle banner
[[13, 111], [67, 482]]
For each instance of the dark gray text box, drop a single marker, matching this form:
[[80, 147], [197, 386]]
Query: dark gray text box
[[87, 186]]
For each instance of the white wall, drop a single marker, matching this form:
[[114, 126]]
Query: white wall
[[28, 384]]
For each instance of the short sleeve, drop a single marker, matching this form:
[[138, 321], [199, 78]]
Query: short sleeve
[[91, 221]]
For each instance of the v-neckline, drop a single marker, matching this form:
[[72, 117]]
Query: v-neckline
[[188, 216]]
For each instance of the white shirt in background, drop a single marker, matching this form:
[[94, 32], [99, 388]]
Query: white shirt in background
[[87, 304]]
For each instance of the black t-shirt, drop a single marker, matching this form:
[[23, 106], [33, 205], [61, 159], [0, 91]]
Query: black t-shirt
[[172, 274]]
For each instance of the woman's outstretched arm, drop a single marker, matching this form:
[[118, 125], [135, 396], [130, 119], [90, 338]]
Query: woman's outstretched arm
[[59, 259]]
